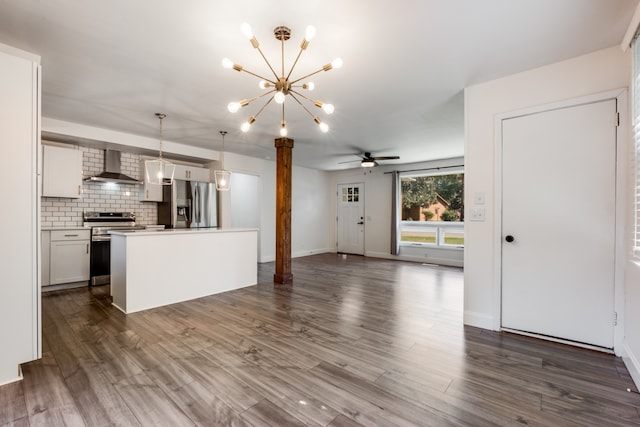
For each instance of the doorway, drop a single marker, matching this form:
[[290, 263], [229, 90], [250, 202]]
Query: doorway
[[559, 223], [351, 218]]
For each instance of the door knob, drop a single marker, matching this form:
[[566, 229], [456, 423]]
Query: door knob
[[509, 238]]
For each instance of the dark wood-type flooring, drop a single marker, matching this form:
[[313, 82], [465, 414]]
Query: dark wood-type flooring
[[355, 342]]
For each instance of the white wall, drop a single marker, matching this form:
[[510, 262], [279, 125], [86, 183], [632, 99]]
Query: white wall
[[594, 73], [311, 227], [377, 211]]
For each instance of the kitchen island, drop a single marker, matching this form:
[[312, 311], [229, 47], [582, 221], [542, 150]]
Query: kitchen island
[[155, 268]]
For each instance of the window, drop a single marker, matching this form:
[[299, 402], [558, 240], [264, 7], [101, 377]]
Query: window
[[635, 101], [431, 209]]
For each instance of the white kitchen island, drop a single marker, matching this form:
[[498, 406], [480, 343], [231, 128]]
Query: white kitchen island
[[155, 268]]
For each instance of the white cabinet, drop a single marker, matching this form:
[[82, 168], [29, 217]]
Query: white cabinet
[[149, 192], [192, 173], [69, 256], [61, 172], [20, 333]]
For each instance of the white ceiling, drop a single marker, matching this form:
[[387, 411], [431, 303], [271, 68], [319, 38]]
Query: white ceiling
[[113, 64]]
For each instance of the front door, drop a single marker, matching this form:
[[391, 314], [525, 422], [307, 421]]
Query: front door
[[558, 223], [351, 218]]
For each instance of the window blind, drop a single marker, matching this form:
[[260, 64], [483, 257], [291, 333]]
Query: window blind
[[636, 142]]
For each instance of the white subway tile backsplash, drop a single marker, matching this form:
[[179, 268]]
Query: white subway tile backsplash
[[100, 197]]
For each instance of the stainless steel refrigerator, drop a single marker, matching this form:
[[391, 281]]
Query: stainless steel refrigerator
[[188, 204]]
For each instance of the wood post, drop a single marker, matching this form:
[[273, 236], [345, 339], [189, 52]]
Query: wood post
[[284, 148]]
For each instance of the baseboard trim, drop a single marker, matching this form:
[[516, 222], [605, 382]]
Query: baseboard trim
[[633, 365], [479, 320]]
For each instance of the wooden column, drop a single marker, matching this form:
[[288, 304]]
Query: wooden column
[[284, 148]]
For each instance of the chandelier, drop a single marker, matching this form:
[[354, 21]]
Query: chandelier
[[282, 85]]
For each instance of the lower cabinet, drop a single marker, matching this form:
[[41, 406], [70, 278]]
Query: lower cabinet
[[68, 256]]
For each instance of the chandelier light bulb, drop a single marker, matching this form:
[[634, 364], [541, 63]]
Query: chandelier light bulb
[[310, 33], [246, 30], [328, 108], [227, 63], [245, 127], [324, 127], [233, 107], [283, 131], [279, 97], [309, 86], [264, 84], [336, 63]]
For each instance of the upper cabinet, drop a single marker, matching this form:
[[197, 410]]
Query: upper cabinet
[[61, 172], [192, 173]]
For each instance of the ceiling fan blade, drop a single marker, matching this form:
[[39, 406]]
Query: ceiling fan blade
[[350, 161], [386, 158]]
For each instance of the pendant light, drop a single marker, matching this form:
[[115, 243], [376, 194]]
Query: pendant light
[[223, 177], [159, 171]]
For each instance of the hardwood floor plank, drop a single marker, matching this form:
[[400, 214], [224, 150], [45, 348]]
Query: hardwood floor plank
[[265, 413], [150, 405], [354, 342], [12, 404]]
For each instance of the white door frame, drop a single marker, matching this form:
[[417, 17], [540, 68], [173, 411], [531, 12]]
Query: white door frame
[[622, 166]]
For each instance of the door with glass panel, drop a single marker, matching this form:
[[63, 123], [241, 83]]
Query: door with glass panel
[[351, 218]]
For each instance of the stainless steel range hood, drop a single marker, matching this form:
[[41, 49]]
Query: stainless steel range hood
[[111, 171]]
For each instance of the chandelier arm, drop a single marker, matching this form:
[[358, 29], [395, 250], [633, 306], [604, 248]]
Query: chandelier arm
[[302, 105], [259, 76], [250, 100], [263, 107], [308, 75], [313, 101], [268, 64], [294, 63]]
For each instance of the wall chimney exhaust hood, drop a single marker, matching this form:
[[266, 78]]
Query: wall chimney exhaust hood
[[112, 170]]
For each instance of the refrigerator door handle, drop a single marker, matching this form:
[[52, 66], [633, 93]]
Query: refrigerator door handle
[[197, 204]]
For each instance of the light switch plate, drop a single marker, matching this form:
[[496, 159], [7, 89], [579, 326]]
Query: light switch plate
[[478, 198], [477, 214]]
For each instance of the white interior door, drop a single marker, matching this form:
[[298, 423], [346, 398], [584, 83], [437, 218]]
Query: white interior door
[[351, 218], [558, 205]]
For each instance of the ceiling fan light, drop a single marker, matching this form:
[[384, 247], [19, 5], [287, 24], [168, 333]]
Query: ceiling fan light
[[367, 163]]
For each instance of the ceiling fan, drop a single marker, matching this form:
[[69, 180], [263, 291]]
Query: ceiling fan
[[369, 161]]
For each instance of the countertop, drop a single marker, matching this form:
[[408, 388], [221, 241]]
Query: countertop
[[175, 231]]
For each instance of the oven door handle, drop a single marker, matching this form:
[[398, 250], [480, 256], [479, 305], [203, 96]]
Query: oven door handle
[[100, 238]]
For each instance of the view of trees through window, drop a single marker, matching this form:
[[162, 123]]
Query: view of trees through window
[[434, 201], [433, 198]]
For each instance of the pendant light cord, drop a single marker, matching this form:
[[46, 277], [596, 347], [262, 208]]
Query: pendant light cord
[[223, 133]]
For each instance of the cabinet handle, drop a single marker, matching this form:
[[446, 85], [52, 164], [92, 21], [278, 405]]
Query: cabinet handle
[[71, 235], [87, 248], [79, 190], [147, 194]]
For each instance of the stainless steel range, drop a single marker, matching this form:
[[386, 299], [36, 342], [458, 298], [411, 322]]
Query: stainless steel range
[[100, 255]]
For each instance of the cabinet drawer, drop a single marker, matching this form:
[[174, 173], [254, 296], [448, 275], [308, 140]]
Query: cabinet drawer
[[81, 234]]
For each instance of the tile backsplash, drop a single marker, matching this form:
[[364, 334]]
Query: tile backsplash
[[99, 196]]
